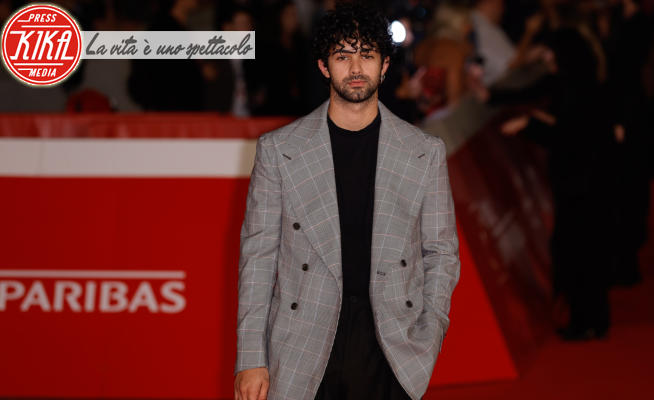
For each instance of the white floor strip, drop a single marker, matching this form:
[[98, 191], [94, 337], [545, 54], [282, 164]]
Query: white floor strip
[[232, 158]]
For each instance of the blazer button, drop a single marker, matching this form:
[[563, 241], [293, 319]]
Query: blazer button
[[409, 303], [403, 262], [305, 267], [293, 306], [296, 226]]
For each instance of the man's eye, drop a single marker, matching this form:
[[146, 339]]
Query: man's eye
[[366, 56], [341, 58]]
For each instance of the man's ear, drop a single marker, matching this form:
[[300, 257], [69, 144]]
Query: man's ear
[[323, 69], [385, 64]]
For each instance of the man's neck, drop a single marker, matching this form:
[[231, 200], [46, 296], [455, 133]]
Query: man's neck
[[352, 116]]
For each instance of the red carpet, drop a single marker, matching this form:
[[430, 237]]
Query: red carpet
[[619, 367]]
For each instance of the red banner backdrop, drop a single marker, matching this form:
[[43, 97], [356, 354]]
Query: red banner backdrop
[[119, 282]]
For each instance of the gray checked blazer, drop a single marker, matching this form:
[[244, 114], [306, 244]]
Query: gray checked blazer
[[290, 282]]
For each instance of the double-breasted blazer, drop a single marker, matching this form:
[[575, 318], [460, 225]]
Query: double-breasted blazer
[[290, 278]]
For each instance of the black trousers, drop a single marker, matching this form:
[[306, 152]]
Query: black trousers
[[581, 259], [357, 368]]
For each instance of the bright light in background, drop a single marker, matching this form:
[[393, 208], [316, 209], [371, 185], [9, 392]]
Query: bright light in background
[[398, 31]]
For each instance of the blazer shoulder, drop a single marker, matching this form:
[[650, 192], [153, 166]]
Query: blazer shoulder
[[415, 136], [434, 141], [279, 135]]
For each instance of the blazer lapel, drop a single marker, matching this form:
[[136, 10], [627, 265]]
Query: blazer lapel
[[402, 161], [309, 168]]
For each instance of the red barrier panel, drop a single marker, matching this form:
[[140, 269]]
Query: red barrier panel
[[119, 335], [126, 286], [504, 209]]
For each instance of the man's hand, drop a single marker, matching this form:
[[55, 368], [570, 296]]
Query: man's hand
[[252, 384]]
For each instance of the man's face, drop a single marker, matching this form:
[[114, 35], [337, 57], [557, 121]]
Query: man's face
[[354, 72]]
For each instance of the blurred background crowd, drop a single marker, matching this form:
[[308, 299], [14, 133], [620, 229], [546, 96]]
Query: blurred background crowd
[[446, 50], [575, 76]]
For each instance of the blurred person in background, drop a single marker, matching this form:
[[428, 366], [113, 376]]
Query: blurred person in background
[[168, 85], [628, 36], [282, 63], [493, 46], [443, 54], [576, 130], [492, 43], [403, 84], [104, 78], [232, 84]]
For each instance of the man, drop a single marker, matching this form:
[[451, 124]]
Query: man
[[349, 253]]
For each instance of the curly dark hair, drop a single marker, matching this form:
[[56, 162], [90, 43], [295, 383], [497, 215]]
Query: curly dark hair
[[352, 22]]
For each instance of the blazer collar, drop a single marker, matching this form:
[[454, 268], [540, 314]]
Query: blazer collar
[[313, 128]]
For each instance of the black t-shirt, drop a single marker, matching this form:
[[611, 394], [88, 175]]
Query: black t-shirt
[[355, 161]]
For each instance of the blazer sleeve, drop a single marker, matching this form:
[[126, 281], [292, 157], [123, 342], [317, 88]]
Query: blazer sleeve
[[259, 246], [440, 245]]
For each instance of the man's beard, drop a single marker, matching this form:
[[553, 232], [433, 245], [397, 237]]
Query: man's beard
[[358, 94]]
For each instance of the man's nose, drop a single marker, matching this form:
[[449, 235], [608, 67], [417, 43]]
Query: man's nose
[[355, 66]]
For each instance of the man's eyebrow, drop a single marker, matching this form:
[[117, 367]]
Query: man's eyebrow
[[361, 49]]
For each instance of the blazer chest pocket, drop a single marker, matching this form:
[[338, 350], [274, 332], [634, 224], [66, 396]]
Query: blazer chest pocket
[[404, 294]]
